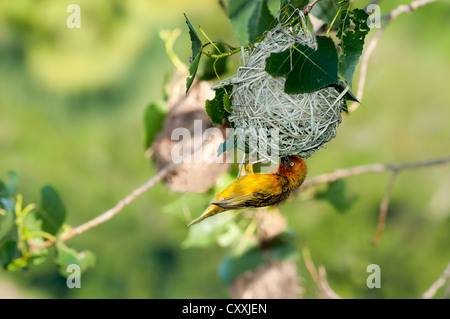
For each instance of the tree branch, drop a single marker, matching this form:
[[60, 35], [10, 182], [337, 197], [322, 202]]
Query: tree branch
[[407, 8], [325, 178], [100, 219], [437, 284], [403, 8], [309, 6], [371, 168], [319, 276], [384, 208], [375, 168], [110, 213]]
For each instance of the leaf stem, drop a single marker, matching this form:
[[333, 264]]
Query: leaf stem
[[221, 55], [209, 40], [39, 233]]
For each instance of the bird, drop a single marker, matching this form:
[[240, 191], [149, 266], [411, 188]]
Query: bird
[[251, 190]]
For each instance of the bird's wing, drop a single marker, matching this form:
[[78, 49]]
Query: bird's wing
[[241, 201]]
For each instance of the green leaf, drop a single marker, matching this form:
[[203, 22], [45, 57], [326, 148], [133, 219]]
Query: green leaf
[[6, 217], [17, 264], [297, 4], [208, 232], [192, 72], [260, 20], [306, 69], [154, 116], [40, 255], [32, 222], [352, 33], [8, 251], [235, 264], [3, 192], [196, 54], [326, 10], [249, 18], [52, 211], [231, 236], [348, 96], [288, 7], [68, 256], [8, 191], [188, 204], [229, 144], [227, 102], [336, 195], [13, 181], [215, 108]]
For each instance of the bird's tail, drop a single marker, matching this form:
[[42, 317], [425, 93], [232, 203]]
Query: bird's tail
[[210, 211]]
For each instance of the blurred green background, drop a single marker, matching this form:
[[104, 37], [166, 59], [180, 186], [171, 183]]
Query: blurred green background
[[71, 107]]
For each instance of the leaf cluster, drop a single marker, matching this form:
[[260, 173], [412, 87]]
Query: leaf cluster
[[305, 69], [23, 228]]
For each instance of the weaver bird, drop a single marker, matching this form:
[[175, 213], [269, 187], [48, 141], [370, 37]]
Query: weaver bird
[[257, 189]]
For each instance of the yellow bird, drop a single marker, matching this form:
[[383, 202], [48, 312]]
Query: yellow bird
[[257, 189]]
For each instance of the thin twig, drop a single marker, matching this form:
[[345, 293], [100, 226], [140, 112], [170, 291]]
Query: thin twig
[[223, 6], [110, 213], [100, 219], [319, 276], [364, 65], [437, 284], [407, 8], [325, 178], [403, 8], [375, 168], [309, 7], [371, 168], [384, 208]]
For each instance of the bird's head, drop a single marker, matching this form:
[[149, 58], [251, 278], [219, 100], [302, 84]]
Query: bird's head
[[293, 167]]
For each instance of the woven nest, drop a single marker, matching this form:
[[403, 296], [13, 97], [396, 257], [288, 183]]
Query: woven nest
[[304, 122]]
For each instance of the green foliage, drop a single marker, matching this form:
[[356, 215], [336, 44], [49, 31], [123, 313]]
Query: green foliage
[[68, 256], [218, 230], [249, 18], [305, 69], [296, 4], [328, 10], [13, 180], [260, 20], [196, 45], [219, 107], [22, 229], [352, 33], [8, 252], [288, 7], [418, 217], [238, 261], [336, 195], [52, 211], [6, 219], [154, 116], [229, 144]]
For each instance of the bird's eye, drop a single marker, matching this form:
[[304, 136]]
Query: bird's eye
[[292, 163]]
